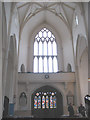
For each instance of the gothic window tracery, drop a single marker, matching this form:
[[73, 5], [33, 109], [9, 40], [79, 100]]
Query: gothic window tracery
[[45, 52]]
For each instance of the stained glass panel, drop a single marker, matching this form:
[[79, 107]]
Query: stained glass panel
[[51, 102], [47, 102], [35, 102], [43, 102], [39, 101], [54, 101]]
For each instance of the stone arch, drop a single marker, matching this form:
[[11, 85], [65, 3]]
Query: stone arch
[[43, 112], [82, 65], [83, 77], [60, 89]]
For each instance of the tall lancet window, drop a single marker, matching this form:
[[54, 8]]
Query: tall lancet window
[[45, 52]]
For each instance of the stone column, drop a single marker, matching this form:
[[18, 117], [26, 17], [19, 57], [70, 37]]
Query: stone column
[[0, 60], [78, 92], [12, 82], [16, 90], [4, 50]]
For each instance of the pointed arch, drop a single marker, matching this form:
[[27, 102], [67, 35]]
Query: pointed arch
[[45, 51], [51, 101]]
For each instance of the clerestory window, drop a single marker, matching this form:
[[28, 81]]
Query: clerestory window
[[45, 52]]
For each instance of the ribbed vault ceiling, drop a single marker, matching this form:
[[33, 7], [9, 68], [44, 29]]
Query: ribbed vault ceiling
[[62, 10]]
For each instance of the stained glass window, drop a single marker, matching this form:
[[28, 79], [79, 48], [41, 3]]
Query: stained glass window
[[47, 102], [51, 102], [43, 102], [39, 101], [54, 101], [45, 49], [35, 102]]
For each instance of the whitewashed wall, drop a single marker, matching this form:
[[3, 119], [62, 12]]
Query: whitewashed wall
[[29, 82]]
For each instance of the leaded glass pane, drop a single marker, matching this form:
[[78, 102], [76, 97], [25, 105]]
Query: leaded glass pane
[[35, 102], [40, 48], [54, 48], [47, 39], [43, 102], [49, 34], [51, 102], [40, 34], [39, 101], [40, 64], [49, 48], [47, 102], [54, 101], [45, 64], [50, 64], [44, 34], [55, 64], [35, 48], [35, 64], [45, 48]]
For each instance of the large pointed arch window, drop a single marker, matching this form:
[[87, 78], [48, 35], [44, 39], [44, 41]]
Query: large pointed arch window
[[45, 52]]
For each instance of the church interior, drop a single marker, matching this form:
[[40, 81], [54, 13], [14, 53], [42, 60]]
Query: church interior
[[44, 58]]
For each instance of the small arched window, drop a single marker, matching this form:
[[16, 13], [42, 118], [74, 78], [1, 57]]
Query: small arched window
[[22, 68], [45, 52], [69, 68]]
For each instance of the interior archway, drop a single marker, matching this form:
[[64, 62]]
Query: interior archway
[[54, 111]]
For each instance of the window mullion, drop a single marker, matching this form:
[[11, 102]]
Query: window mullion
[[52, 57], [38, 58], [52, 65], [42, 56], [52, 47], [47, 64], [47, 58], [43, 63], [57, 63]]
